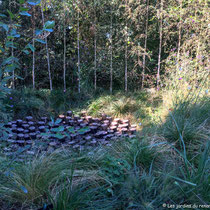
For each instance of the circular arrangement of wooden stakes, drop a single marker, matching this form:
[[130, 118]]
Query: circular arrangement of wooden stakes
[[99, 131]]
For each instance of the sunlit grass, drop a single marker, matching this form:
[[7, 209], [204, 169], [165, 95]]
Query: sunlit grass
[[168, 162]]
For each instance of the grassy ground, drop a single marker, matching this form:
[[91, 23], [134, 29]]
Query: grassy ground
[[141, 107], [167, 164]]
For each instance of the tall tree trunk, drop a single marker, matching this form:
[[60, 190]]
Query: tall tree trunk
[[160, 45], [145, 46], [138, 58], [33, 67], [78, 52], [111, 68], [12, 51], [47, 50], [13, 72], [126, 67], [64, 51], [179, 38], [197, 67], [95, 54], [126, 55]]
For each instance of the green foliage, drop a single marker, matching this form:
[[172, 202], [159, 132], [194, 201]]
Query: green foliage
[[34, 2], [21, 103], [71, 196], [115, 105], [190, 120], [97, 106], [114, 169], [35, 177], [126, 175], [199, 176], [33, 181], [60, 132], [123, 106], [192, 179], [168, 162], [25, 102], [137, 152], [60, 101], [9, 63], [142, 190], [184, 54]]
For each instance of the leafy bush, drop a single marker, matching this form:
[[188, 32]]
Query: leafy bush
[[43, 102], [114, 169], [26, 102]]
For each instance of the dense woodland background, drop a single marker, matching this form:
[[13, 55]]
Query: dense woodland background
[[112, 45]]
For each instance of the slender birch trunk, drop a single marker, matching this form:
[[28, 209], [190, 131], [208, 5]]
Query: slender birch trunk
[[47, 50], [197, 56], [126, 67], [95, 54], [78, 50], [160, 45], [13, 72], [64, 51], [179, 38], [126, 55], [12, 52], [145, 45], [33, 43], [33, 69], [111, 68], [138, 58], [179, 43]]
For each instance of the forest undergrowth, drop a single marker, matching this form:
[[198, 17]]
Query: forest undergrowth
[[167, 164]]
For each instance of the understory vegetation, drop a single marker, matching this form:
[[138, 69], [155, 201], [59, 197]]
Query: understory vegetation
[[144, 62], [168, 162]]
